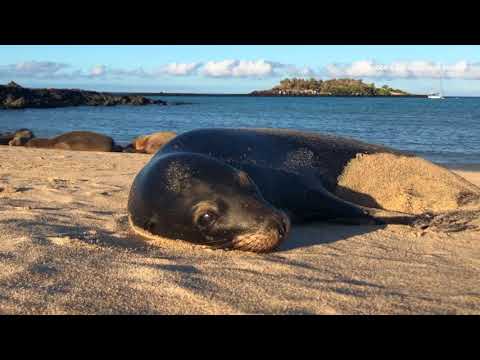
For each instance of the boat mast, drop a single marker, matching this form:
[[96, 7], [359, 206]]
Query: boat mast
[[441, 80]]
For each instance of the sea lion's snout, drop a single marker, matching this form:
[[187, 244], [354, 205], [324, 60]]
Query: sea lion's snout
[[267, 237]]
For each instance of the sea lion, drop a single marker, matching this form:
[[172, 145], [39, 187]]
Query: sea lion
[[76, 140], [21, 137], [151, 143], [241, 188]]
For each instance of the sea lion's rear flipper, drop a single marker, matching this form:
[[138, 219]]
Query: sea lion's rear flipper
[[452, 221]]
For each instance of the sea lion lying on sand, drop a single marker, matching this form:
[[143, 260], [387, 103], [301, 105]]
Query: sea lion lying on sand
[[77, 140], [18, 138], [241, 188], [150, 144], [21, 137]]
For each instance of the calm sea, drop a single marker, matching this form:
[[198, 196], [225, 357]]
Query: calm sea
[[444, 131]]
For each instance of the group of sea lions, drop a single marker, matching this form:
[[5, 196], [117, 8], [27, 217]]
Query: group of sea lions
[[87, 141], [243, 188]]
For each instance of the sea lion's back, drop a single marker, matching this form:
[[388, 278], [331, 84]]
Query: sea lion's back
[[323, 155]]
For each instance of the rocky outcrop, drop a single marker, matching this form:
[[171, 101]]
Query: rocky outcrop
[[13, 96], [333, 87]]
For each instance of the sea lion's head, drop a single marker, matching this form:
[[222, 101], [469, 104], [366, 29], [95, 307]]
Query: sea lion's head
[[196, 198]]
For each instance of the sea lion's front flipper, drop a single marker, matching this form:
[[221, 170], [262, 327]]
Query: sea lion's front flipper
[[305, 199], [322, 205]]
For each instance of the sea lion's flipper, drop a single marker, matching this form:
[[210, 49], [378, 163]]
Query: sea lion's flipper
[[304, 198], [451, 221]]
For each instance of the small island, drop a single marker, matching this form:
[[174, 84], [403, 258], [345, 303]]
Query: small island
[[333, 87], [14, 96]]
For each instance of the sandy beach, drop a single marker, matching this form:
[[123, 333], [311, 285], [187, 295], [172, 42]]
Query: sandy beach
[[66, 248]]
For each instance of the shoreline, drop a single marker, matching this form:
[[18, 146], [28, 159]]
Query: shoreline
[[257, 95], [470, 167], [475, 167]]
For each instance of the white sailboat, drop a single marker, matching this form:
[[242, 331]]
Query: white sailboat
[[438, 95]]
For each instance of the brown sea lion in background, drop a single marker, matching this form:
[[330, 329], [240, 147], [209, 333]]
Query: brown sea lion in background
[[77, 140], [21, 137], [151, 143], [18, 138]]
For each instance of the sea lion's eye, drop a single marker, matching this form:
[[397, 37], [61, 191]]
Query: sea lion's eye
[[207, 219]]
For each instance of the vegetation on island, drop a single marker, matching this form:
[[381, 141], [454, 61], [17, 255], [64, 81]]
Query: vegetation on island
[[333, 87]]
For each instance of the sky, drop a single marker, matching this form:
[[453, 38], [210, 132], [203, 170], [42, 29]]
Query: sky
[[240, 69]]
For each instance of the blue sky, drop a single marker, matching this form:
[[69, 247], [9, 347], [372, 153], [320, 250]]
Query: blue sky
[[240, 69]]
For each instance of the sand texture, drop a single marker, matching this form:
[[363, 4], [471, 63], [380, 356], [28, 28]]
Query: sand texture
[[66, 248], [406, 184]]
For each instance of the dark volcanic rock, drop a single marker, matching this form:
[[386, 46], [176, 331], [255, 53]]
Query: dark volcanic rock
[[13, 96], [13, 84]]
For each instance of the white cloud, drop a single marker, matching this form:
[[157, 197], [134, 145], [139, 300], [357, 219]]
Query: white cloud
[[238, 68], [180, 69], [405, 69], [253, 68], [229, 68], [98, 70], [38, 67], [293, 70], [219, 68], [33, 69], [259, 68]]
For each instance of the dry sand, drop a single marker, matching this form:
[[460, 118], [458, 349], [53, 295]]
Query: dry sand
[[66, 248]]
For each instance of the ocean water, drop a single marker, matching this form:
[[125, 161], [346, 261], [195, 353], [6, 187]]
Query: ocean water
[[443, 131]]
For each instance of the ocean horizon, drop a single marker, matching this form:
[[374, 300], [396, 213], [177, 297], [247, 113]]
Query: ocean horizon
[[444, 131]]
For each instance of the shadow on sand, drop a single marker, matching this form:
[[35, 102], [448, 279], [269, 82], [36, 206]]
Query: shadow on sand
[[303, 236]]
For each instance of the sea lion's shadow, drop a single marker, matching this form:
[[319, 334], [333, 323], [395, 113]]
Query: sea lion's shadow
[[318, 233], [301, 236]]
